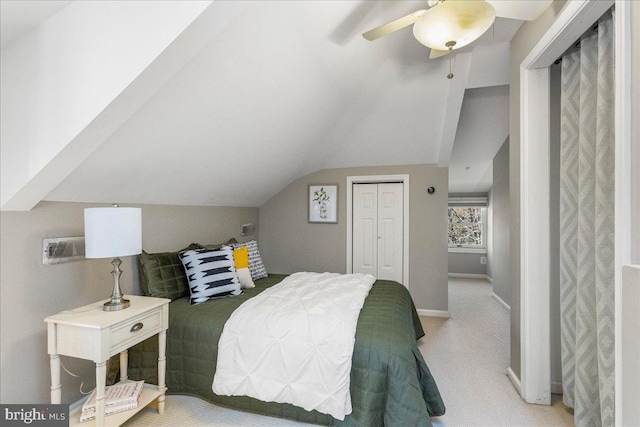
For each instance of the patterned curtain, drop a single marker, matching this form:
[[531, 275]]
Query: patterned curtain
[[587, 227]]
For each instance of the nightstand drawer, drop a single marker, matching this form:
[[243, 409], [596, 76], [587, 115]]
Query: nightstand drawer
[[136, 329]]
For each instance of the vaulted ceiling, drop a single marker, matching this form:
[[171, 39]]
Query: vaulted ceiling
[[282, 89]]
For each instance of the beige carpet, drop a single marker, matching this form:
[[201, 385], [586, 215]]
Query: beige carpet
[[468, 355]]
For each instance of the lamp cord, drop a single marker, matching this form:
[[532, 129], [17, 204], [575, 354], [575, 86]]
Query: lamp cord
[[77, 376]]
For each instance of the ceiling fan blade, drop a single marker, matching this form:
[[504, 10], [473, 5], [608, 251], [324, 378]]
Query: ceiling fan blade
[[435, 53], [392, 26], [523, 10]]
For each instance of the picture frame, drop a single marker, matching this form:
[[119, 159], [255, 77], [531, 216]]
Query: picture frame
[[323, 203]]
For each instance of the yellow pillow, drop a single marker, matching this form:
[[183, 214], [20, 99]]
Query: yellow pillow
[[241, 257], [241, 260]]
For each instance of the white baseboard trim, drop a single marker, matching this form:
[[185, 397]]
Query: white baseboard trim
[[556, 387], [501, 301], [471, 276], [514, 380], [433, 313]]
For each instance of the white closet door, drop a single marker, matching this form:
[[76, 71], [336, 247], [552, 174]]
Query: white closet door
[[390, 227], [365, 229], [378, 230]]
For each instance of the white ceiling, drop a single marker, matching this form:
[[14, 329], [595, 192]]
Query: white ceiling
[[286, 89], [18, 17]]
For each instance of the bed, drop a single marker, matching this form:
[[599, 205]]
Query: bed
[[390, 382]]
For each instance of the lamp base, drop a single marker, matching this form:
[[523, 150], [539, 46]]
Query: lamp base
[[116, 304], [117, 299]]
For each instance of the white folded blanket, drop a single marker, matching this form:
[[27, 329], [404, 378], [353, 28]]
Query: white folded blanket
[[293, 342]]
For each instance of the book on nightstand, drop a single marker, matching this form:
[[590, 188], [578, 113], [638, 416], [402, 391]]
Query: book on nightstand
[[118, 398]]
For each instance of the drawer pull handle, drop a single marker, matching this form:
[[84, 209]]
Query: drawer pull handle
[[137, 327]]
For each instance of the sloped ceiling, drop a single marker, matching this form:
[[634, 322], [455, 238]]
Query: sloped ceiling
[[287, 88], [18, 17], [470, 168]]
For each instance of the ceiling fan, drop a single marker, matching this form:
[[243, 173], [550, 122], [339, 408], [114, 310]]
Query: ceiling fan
[[451, 24]]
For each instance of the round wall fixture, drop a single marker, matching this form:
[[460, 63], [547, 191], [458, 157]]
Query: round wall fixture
[[431, 190]]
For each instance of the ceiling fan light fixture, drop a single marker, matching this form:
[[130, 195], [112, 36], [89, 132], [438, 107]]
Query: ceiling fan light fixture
[[461, 21]]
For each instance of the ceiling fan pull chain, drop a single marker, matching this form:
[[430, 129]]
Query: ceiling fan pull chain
[[450, 45]]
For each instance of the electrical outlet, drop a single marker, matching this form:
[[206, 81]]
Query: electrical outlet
[[483, 260]]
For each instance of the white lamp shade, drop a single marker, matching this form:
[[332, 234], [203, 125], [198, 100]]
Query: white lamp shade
[[112, 232], [460, 21]]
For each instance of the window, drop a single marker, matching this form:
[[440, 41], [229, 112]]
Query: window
[[467, 227]]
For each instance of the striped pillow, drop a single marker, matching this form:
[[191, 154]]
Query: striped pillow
[[211, 274]]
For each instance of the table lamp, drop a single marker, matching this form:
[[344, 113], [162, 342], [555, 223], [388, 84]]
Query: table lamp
[[112, 233]]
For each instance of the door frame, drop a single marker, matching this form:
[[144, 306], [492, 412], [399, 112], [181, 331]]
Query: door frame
[[574, 19], [380, 179]]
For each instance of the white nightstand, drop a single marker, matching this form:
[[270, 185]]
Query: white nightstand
[[90, 333]]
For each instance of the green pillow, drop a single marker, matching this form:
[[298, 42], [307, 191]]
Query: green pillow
[[219, 245], [162, 274]]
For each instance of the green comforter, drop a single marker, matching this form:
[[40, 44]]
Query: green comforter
[[390, 382]]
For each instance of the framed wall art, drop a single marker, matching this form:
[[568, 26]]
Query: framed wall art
[[323, 203]]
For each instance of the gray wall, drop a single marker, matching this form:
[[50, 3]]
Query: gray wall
[[525, 39], [290, 243], [466, 263], [501, 254], [490, 233], [634, 232], [30, 291]]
